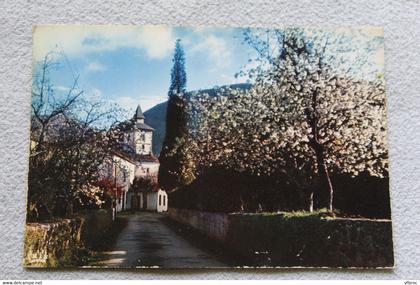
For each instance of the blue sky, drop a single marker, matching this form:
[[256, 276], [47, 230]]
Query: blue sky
[[131, 65]]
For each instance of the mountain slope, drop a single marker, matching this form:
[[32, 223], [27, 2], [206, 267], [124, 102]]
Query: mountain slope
[[156, 116]]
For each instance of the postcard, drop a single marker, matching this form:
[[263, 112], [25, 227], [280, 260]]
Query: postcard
[[208, 147]]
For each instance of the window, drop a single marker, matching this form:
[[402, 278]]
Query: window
[[125, 176], [143, 137], [147, 170], [164, 200], [160, 200]]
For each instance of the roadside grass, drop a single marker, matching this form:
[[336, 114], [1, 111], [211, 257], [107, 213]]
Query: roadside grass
[[316, 214], [320, 213]]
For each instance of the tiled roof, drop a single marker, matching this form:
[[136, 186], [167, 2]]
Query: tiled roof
[[147, 158], [128, 125], [126, 156], [126, 152], [143, 126]]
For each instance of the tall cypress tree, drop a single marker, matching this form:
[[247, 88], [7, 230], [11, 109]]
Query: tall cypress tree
[[173, 157], [178, 74]]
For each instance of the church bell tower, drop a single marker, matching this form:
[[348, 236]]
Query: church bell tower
[[142, 133]]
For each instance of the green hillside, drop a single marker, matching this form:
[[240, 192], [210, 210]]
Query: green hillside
[[156, 116]]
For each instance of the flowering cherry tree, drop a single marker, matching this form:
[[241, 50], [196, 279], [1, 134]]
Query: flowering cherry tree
[[317, 107]]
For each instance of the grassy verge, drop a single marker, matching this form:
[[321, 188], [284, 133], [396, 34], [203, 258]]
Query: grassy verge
[[321, 213]]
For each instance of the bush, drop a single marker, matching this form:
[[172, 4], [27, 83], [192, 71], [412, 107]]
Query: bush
[[222, 190], [364, 195]]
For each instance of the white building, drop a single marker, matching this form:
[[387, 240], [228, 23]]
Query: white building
[[149, 201], [135, 159]]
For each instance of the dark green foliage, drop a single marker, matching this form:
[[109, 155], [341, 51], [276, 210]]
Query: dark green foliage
[[362, 196], [223, 190], [173, 157], [178, 74]]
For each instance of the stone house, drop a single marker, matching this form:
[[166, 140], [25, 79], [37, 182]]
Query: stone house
[[135, 159]]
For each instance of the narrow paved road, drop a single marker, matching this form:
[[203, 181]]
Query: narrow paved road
[[150, 240]]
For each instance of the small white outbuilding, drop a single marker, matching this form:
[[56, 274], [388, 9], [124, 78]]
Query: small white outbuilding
[[157, 201], [148, 201]]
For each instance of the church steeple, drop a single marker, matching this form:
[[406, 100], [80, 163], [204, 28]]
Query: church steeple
[[139, 113], [138, 116], [141, 133]]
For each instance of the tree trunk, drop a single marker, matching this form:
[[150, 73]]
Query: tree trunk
[[310, 201], [326, 190], [324, 199]]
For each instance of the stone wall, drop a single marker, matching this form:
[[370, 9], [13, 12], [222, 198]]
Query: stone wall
[[215, 225], [52, 244], [278, 240], [61, 243]]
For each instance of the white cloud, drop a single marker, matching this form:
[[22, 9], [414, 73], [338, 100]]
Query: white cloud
[[66, 89], [158, 41], [95, 66], [78, 40], [126, 102], [130, 103], [61, 88], [149, 102], [216, 48]]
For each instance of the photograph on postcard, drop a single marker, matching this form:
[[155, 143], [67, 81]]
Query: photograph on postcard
[[208, 147]]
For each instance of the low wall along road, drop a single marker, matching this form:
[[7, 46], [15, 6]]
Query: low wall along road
[[278, 240], [59, 243], [52, 244]]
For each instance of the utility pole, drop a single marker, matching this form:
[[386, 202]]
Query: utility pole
[[114, 204]]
